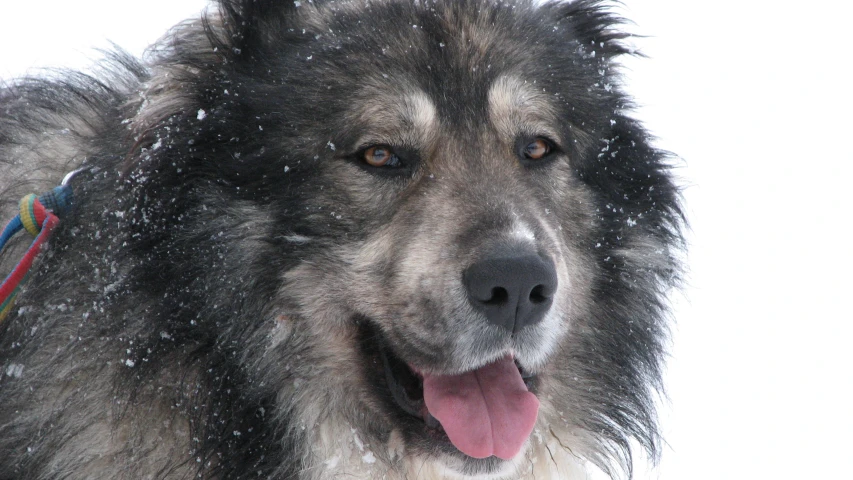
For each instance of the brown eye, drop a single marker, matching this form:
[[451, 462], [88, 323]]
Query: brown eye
[[537, 149], [380, 156]]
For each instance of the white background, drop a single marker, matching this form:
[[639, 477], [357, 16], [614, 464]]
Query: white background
[[755, 97]]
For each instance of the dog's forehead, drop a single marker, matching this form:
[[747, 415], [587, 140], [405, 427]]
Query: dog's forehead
[[418, 74], [401, 112]]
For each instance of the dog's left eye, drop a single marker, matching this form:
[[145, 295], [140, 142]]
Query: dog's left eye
[[538, 149], [381, 156]]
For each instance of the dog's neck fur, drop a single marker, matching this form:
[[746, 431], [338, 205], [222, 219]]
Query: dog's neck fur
[[339, 452]]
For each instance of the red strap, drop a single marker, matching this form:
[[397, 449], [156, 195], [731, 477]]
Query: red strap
[[21, 269]]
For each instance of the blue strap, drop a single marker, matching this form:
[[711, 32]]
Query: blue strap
[[58, 200], [11, 229]]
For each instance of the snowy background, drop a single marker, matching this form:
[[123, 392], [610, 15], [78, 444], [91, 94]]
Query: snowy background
[[756, 99]]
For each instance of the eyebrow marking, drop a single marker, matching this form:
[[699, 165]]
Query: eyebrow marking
[[516, 108], [421, 112], [404, 117]]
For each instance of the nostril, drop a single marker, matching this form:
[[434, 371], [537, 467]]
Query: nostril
[[499, 297], [537, 295]]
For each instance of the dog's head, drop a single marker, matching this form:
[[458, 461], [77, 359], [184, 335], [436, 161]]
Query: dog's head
[[478, 239]]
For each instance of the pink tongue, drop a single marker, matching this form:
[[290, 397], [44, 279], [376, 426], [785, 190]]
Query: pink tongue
[[485, 412]]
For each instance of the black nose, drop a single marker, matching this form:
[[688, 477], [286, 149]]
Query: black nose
[[511, 291]]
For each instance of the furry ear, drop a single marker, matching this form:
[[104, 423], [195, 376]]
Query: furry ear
[[253, 11], [241, 20], [594, 24]]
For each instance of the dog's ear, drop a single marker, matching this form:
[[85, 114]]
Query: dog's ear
[[245, 12], [593, 23], [242, 21]]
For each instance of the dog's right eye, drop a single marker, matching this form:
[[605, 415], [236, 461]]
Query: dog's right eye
[[380, 156]]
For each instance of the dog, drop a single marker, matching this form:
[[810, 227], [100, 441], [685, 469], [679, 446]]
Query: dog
[[325, 239]]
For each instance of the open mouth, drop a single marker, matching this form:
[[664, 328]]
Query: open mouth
[[489, 411], [407, 388]]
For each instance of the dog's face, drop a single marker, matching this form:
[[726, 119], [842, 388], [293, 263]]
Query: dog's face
[[478, 234], [475, 253], [472, 248]]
